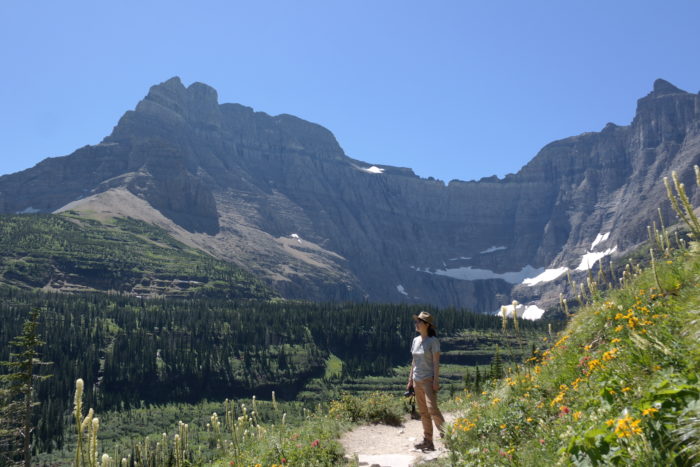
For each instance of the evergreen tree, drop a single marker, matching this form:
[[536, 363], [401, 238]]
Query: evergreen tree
[[18, 391], [467, 380], [496, 365]]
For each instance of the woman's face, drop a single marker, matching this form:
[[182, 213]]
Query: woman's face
[[420, 324]]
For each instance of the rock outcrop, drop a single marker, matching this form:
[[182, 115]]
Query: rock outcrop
[[278, 196]]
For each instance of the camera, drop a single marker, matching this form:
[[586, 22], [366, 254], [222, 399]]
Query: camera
[[410, 392]]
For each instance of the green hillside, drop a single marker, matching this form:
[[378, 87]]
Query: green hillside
[[71, 253], [618, 386]]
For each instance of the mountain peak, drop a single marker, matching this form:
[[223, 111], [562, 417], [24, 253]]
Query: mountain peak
[[202, 92], [173, 102], [174, 82], [663, 87]]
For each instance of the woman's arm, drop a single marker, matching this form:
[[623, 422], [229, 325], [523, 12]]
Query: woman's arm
[[436, 371], [410, 377]]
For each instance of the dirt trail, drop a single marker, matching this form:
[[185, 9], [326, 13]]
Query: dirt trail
[[388, 446]]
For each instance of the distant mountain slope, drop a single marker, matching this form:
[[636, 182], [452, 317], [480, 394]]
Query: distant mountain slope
[[276, 195], [71, 253]]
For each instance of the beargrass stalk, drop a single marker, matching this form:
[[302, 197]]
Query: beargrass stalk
[[653, 267], [94, 427], [613, 279], [592, 287], [664, 233], [562, 304], [685, 213], [78, 413], [680, 244]]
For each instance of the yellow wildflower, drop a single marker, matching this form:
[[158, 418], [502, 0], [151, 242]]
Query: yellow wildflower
[[593, 364], [649, 411], [627, 427], [557, 400], [610, 354]]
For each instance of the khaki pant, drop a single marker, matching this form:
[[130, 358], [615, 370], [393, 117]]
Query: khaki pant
[[426, 399]]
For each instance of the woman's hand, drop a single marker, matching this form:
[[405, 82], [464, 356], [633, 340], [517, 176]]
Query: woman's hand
[[408, 385], [436, 386]]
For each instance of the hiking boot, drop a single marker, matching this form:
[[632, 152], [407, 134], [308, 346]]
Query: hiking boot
[[425, 445]]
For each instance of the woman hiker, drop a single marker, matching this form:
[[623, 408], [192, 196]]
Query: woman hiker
[[424, 377]]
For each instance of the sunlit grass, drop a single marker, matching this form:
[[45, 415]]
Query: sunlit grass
[[609, 390]]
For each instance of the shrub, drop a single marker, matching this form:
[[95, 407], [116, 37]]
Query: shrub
[[376, 407]]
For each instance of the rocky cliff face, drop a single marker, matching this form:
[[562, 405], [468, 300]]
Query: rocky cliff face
[[278, 196]]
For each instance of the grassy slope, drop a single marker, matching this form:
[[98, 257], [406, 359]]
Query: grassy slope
[[71, 253], [619, 385]]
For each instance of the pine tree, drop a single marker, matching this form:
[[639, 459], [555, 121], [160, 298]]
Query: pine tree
[[496, 365], [18, 390]]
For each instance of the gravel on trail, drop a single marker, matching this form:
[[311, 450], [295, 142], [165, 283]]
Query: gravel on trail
[[390, 446]]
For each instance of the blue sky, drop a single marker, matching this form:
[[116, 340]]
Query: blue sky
[[452, 89]]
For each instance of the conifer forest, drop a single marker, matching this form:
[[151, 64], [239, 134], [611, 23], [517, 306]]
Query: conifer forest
[[133, 352]]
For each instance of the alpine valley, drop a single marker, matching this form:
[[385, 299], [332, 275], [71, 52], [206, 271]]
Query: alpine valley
[[276, 201]]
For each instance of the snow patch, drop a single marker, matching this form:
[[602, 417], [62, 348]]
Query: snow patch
[[547, 276], [401, 290], [492, 249], [373, 170], [29, 210], [459, 257], [531, 312], [600, 238], [469, 273], [589, 259], [296, 236]]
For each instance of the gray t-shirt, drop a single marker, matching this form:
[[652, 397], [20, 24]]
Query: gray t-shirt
[[423, 351]]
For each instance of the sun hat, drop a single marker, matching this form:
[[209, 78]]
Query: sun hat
[[425, 316]]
